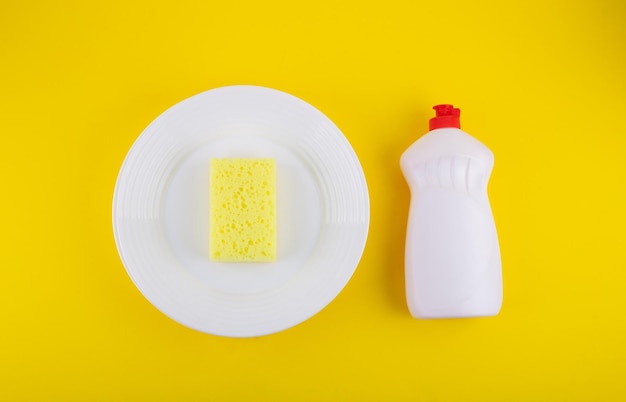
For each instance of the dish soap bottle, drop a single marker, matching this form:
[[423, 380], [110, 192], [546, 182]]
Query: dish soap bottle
[[452, 256]]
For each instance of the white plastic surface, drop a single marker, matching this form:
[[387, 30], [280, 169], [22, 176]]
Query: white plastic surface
[[452, 256], [161, 207]]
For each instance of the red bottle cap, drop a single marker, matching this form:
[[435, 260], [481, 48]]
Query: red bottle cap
[[445, 116]]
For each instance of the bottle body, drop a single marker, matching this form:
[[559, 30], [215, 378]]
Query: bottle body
[[452, 255]]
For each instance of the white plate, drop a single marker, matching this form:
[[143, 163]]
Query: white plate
[[161, 207]]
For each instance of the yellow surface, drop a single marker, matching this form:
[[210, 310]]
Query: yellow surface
[[242, 209], [543, 84]]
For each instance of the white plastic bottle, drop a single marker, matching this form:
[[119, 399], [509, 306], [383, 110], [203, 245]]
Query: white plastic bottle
[[452, 257]]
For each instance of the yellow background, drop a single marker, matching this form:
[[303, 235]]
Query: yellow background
[[541, 83]]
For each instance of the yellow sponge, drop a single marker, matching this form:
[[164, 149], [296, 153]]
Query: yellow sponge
[[242, 210]]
